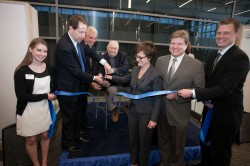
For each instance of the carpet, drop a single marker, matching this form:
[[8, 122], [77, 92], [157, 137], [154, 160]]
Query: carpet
[[114, 140], [111, 146]]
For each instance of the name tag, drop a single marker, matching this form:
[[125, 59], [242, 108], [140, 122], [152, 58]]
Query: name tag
[[29, 76]]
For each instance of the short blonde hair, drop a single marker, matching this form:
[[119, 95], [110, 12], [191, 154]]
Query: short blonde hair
[[181, 34]]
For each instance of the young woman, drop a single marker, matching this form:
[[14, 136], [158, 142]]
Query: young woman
[[32, 86]]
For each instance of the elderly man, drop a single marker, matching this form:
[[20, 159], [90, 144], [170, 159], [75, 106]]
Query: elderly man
[[119, 67], [88, 42]]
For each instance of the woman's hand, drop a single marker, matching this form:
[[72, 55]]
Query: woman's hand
[[151, 124], [51, 96]]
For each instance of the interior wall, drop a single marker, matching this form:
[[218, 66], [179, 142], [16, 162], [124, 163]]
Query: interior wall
[[244, 45], [19, 25]]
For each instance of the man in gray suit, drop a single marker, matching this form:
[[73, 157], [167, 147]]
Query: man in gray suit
[[178, 70]]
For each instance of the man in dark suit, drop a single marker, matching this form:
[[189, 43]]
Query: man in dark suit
[[225, 78], [88, 43], [119, 67], [72, 75], [178, 71]]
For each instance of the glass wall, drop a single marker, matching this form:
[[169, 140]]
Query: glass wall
[[154, 21]]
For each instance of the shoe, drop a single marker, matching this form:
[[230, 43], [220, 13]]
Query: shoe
[[125, 109], [194, 164], [84, 139], [115, 116], [72, 149], [89, 126], [157, 164]]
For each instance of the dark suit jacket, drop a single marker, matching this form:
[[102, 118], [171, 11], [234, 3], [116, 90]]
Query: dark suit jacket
[[224, 86], [190, 74], [68, 74], [92, 57], [150, 81], [121, 64]]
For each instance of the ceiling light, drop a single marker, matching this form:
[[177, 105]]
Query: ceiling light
[[211, 9], [242, 12], [229, 2], [147, 1], [185, 3]]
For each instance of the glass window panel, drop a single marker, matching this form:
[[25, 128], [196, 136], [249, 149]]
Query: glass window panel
[[46, 20], [51, 48]]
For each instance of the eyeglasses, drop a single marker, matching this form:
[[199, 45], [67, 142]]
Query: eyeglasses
[[140, 58]]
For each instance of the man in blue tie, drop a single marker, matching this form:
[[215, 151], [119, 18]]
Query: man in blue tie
[[72, 74]]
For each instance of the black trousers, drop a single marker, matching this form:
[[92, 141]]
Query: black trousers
[[73, 111], [139, 136], [219, 153]]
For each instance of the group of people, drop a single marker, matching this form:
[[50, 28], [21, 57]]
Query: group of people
[[77, 68]]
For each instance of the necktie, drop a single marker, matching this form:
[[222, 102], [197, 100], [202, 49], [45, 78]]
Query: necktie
[[171, 70], [217, 59], [80, 56]]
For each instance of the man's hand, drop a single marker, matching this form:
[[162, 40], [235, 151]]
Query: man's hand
[[107, 67], [171, 96], [108, 77], [111, 71], [99, 79], [185, 93], [106, 84], [151, 124], [96, 86]]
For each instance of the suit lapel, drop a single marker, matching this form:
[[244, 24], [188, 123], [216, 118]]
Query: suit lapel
[[165, 68], [223, 59], [134, 78], [75, 51]]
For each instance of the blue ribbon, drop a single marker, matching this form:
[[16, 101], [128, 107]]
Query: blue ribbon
[[205, 126], [63, 93], [52, 110], [148, 94], [53, 118]]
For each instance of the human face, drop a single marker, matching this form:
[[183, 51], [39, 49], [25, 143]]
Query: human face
[[112, 49], [39, 52], [225, 36], [90, 38], [141, 59], [177, 46], [78, 34]]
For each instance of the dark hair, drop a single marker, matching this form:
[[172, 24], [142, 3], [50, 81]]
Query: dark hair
[[74, 21], [181, 34], [236, 23], [28, 56], [147, 47]]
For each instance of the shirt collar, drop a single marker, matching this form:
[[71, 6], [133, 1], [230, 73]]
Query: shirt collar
[[75, 43], [179, 58], [225, 49]]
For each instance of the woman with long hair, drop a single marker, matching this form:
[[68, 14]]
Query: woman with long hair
[[33, 82]]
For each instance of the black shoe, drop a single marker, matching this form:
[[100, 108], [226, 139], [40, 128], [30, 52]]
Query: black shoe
[[89, 126], [157, 164], [195, 164], [83, 134], [84, 139], [72, 149]]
